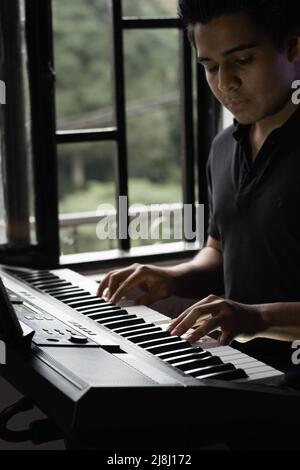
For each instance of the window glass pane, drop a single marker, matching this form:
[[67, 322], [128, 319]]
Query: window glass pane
[[226, 118], [86, 191], [153, 119], [153, 8], [82, 64]]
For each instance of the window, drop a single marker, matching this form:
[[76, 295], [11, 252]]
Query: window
[[227, 118], [108, 123]]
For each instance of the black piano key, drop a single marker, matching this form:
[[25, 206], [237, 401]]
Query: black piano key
[[70, 300], [92, 300], [105, 313], [61, 290], [187, 356], [226, 375], [148, 336], [156, 350], [115, 325], [49, 282], [97, 308], [157, 342], [102, 319], [198, 372], [177, 352], [127, 329], [127, 317], [54, 284], [136, 332], [25, 274], [40, 278], [71, 296], [198, 363]]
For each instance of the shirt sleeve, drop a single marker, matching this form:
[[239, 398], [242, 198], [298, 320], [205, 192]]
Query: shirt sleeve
[[213, 230]]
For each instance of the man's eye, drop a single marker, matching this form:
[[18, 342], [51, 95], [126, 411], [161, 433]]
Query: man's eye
[[213, 69], [245, 61]]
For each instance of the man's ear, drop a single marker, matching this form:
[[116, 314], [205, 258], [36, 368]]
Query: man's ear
[[293, 47]]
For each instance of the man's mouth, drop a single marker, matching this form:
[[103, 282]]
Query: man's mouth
[[235, 104]]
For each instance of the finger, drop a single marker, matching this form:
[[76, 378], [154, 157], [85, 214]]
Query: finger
[[136, 278], [102, 287], [205, 301], [173, 324], [226, 338], [208, 327], [201, 320], [116, 279], [177, 321], [209, 309], [198, 322], [103, 284]]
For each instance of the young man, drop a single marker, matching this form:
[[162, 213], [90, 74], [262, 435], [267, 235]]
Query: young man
[[251, 54]]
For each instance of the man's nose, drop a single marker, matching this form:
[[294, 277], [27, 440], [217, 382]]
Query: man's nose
[[228, 81]]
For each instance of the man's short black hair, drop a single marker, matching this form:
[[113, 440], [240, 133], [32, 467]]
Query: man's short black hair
[[276, 18]]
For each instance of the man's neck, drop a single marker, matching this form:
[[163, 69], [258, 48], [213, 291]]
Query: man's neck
[[260, 131]]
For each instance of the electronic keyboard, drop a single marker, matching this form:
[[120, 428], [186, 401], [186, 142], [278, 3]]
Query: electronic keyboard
[[94, 365]]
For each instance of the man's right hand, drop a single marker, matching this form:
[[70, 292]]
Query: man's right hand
[[157, 283]]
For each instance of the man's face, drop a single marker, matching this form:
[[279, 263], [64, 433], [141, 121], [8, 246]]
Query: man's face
[[244, 70]]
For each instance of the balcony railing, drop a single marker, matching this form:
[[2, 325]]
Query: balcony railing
[[154, 224], [163, 221]]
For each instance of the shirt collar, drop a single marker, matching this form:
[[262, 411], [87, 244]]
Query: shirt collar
[[241, 130], [291, 126]]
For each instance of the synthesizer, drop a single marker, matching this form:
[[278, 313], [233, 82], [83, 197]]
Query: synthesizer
[[93, 365]]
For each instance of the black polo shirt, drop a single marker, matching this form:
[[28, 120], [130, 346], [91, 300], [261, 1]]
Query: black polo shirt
[[255, 213]]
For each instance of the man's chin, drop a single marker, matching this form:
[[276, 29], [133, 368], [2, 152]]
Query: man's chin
[[245, 122], [244, 119]]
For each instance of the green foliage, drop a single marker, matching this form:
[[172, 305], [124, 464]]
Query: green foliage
[[84, 91], [140, 191]]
